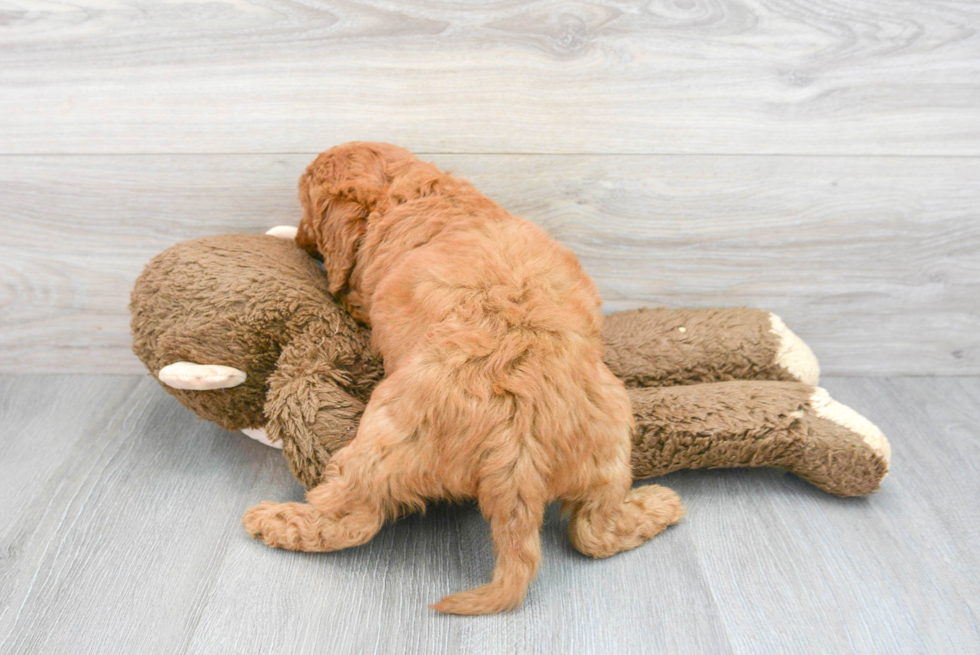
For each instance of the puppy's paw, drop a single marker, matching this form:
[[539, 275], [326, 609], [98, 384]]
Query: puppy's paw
[[280, 525], [660, 506], [258, 518]]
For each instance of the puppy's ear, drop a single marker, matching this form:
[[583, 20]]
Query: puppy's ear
[[338, 191], [331, 228]]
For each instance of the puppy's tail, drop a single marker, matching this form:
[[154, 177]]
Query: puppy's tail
[[513, 501]]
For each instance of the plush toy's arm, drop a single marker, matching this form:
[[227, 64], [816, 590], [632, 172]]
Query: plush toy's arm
[[310, 408], [659, 347], [755, 423], [312, 417]]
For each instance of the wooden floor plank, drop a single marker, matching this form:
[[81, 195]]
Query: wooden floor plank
[[44, 419], [375, 598], [126, 536], [874, 261], [130, 542], [806, 573], [735, 76]]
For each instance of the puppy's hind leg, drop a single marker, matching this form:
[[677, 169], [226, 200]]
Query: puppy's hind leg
[[613, 518], [513, 501]]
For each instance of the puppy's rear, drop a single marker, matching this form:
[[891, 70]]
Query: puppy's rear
[[495, 386]]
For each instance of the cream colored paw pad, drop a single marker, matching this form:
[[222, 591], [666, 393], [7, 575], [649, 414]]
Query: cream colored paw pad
[[793, 354], [826, 407]]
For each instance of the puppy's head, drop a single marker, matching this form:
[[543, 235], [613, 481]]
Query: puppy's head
[[339, 192]]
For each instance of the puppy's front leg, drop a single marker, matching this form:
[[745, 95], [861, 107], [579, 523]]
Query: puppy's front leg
[[332, 520], [362, 486], [339, 512]]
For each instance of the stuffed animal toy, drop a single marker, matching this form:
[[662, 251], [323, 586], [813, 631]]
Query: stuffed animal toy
[[243, 331]]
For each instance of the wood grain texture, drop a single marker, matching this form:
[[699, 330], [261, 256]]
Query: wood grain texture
[[874, 261], [125, 534], [897, 572], [120, 534], [599, 76]]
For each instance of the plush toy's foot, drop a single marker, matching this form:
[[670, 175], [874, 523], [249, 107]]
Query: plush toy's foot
[[792, 353], [844, 453]]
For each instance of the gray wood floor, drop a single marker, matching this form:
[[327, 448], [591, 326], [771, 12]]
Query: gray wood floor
[[120, 533]]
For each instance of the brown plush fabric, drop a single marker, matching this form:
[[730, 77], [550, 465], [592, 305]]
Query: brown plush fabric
[[314, 405], [260, 304], [661, 347], [239, 300], [746, 424]]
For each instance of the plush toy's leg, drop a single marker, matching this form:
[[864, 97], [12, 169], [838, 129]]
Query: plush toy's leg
[[660, 347], [758, 423]]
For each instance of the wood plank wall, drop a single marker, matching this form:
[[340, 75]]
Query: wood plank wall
[[818, 159]]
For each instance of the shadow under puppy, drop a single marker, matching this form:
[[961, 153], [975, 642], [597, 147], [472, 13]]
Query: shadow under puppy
[[495, 387]]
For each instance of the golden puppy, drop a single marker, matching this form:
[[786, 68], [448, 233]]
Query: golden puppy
[[495, 387]]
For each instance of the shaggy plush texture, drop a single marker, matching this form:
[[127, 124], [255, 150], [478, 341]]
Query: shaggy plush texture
[[748, 423], [686, 346], [312, 406], [260, 305]]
